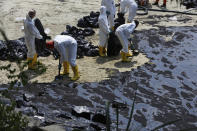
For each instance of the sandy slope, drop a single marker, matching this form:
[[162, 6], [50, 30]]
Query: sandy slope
[[55, 15]]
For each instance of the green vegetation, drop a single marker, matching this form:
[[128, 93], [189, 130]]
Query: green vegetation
[[10, 120]]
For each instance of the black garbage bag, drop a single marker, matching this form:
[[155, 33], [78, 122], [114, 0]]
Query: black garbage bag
[[189, 3], [82, 23], [89, 21], [19, 49], [93, 52], [40, 44], [88, 32], [114, 46], [94, 14], [119, 21]]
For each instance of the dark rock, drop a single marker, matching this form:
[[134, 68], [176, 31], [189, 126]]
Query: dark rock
[[34, 128], [99, 118], [47, 123], [64, 116], [81, 111], [41, 93], [97, 128], [78, 128], [119, 105], [28, 111], [28, 97], [20, 103]]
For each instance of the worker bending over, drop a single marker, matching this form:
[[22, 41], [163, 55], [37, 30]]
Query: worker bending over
[[111, 11], [67, 48], [31, 32], [123, 33], [130, 5], [103, 32]]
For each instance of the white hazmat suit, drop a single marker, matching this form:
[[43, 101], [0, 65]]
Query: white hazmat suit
[[123, 33], [130, 5], [31, 32], [67, 48], [104, 30], [110, 7]]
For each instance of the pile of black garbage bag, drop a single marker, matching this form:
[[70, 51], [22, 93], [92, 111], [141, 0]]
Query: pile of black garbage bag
[[13, 49], [92, 20], [84, 48], [189, 3], [89, 21], [16, 50]]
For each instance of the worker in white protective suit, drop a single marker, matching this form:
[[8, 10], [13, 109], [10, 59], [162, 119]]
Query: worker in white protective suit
[[31, 32], [111, 11], [130, 5], [67, 48], [103, 32], [123, 33]]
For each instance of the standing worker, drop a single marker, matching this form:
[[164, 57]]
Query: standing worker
[[157, 3], [67, 48], [130, 5], [103, 32], [123, 33], [111, 11], [31, 32]]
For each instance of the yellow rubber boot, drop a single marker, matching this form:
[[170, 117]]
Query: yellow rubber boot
[[76, 73], [129, 54], [34, 61], [101, 52], [112, 28], [104, 50], [30, 65], [66, 68], [124, 57]]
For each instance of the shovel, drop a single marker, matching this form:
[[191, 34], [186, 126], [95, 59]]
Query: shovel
[[59, 76]]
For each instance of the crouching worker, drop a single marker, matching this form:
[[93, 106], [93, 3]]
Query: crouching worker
[[31, 32], [103, 32], [123, 33], [67, 48]]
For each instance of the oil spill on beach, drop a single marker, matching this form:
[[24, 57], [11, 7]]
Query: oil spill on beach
[[166, 88]]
